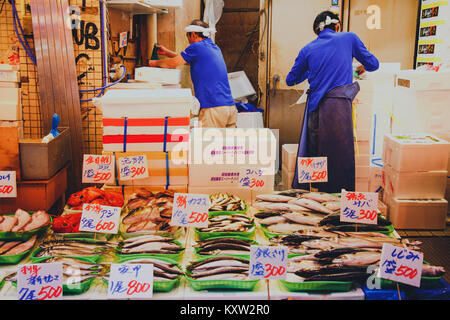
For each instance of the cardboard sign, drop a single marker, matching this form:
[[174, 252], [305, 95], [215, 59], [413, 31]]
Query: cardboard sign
[[252, 178], [98, 169], [312, 169], [133, 168], [98, 218], [8, 184], [359, 207], [42, 281], [401, 265], [190, 210], [128, 281], [268, 262], [123, 40]]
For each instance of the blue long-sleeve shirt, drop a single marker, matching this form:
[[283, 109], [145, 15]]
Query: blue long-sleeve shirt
[[327, 63]]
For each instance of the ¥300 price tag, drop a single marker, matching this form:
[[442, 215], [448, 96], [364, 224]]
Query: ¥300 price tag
[[128, 281], [8, 184], [359, 207], [401, 265], [253, 179], [190, 210], [98, 169], [98, 218], [268, 262], [133, 168], [312, 169], [42, 281]]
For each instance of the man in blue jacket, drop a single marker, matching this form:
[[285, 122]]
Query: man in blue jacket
[[327, 63], [208, 73]]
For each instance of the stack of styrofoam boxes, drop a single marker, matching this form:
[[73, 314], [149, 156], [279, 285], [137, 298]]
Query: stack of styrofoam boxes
[[154, 123], [288, 163], [414, 179], [372, 103], [10, 105], [218, 156]]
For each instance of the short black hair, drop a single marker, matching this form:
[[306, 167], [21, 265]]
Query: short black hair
[[321, 17], [201, 23]]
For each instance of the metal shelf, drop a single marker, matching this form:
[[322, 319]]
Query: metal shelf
[[134, 7]]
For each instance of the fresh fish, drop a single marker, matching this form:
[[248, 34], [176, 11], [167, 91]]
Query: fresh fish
[[268, 213], [23, 218], [272, 220], [64, 252], [225, 276], [313, 205], [353, 227], [213, 241], [152, 261], [152, 247], [226, 246], [198, 273], [39, 219], [294, 239], [146, 239], [289, 227], [22, 247], [432, 271], [318, 269], [333, 205], [358, 258], [8, 245], [322, 244], [273, 198], [219, 261], [226, 252], [279, 206], [76, 263], [303, 218], [294, 193], [345, 276], [8, 223], [321, 197]]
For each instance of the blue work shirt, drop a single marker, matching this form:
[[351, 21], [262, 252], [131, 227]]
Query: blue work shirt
[[327, 63], [209, 74]]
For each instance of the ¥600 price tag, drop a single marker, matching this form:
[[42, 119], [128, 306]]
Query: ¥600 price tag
[[190, 210], [128, 281], [359, 207], [268, 262], [8, 185], [98, 169], [312, 169], [41, 281], [252, 179], [98, 218], [133, 168]]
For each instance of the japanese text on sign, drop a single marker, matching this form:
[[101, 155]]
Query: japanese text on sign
[[401, 265], [190, 210], [128, 281], [41, 281], [359, 207], [8, 186], [98, 218], [98, 169], [251, 178], [312, 169], [132, 168], [268, 262]]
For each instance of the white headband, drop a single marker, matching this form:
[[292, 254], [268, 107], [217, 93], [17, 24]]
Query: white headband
[[327, 22], [206, 31]]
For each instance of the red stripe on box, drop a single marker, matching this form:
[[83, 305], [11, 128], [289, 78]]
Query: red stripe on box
[[154, 122], [146, 138]]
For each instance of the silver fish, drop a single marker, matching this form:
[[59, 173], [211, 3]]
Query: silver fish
[[272, 220], [273, 198], [313, 205], [321, 197], [303, 218]]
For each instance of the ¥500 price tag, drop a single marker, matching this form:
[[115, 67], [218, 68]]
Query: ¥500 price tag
[[359, 207], [312, 170], [98, 169], [128, 281], [252, 179], [190, 210], [401, 265], [8, 186], [41, 281], [98, 218], [268, 262], [132, 168]]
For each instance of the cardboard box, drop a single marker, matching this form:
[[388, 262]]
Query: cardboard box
[[362, 172], [422, 80], [418, 214], [362, 135], [415, 185], [287, 177], [10, 104], [362, 184], [419, 152], [375, 179], [289, 156], [11, 132], [8, 74], [244, 194], [362, 160], [362, 148]]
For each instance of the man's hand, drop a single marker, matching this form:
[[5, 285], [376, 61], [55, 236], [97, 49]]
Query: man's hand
[[165, 52], [360, 70], [153, 63]]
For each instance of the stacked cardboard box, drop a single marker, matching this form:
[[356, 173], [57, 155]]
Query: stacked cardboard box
[[414, 180], [10, 105], [154, 123], [288, 163]]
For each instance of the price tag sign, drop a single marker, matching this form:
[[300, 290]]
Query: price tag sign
[[312, 169], [252, 179], [359, 207], [8, 186], [98, 218], [401, 265], [123, 39], [128, 281], [42, 281], [98, 169], [190, 210], [268, 262], [132, 168]]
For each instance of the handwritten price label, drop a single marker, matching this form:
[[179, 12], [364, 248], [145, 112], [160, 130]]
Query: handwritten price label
[[359, 207], [98, 169], [133, 168], [268, 262], [401, 265], [41, 281], [8, 186], [128, 281], [253, 179], [312, 169], [190, 210], [98, 218]]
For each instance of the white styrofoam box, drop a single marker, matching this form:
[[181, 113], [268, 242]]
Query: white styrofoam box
[[8, 74], [240, 85], [141, 103], [10, 112], [250, 120], [362, 160], [276, 133], [135, 85], [194, 122], [362, 147], [165, 3], [289, 156], [424, 80], [418, 214], [10, 95], [420, 152], [362, 184], [362, 172], [158, 75], [415, 185], [375, 178]]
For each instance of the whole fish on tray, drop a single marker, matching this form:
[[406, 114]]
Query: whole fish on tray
[[224, 246], [312, 205], [72, 248], [279, 206], [151, 244], [219, 268], [228, 223], [321, 197], [226, 202]]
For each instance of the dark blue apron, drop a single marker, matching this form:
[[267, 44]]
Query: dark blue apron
[[334, 140]]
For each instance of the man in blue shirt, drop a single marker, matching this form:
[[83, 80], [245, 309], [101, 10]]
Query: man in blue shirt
[[208, 73], [327, 63]]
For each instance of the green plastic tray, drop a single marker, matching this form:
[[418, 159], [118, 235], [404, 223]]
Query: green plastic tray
[[231, 212], [23, 236], [341, 286], [85, 235], [177, 256], [425, 283], [208, 235], [13, 259]]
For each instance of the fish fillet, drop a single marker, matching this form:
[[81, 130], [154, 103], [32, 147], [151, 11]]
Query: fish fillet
[[8, 223], [23, 218]]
